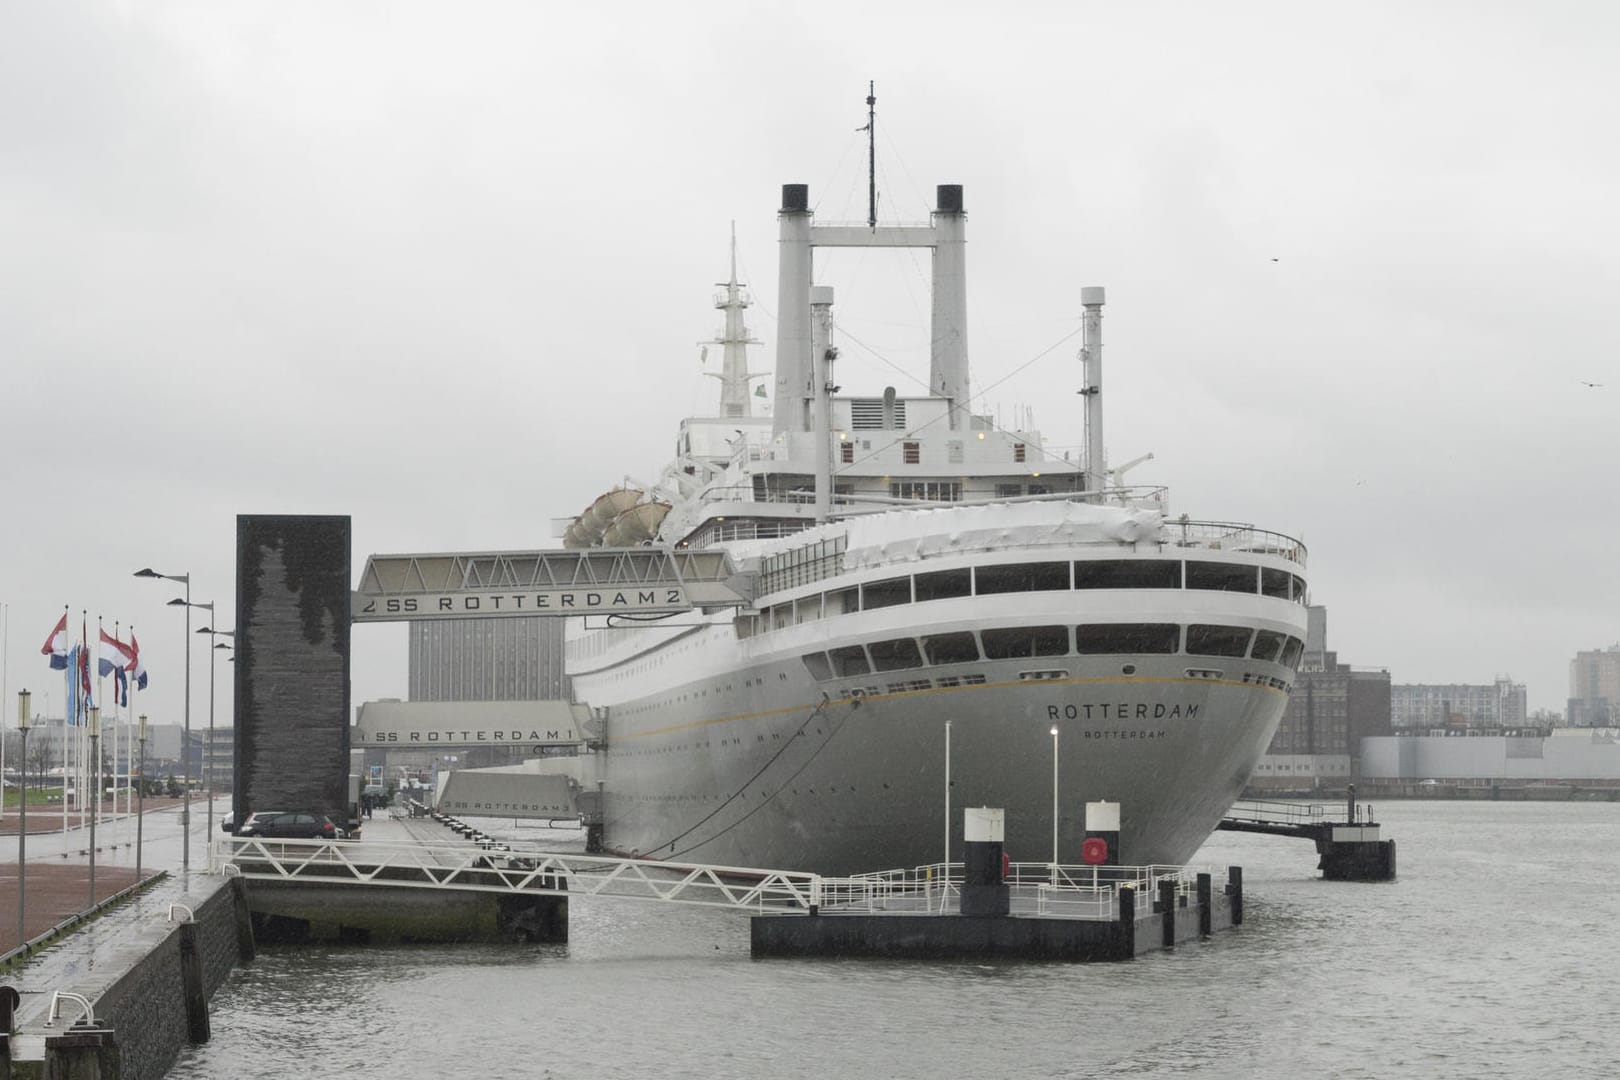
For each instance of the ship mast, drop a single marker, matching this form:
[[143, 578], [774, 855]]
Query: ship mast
[[734, 375], [871, 154]]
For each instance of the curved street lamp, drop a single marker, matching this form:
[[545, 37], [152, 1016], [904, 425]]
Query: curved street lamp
[[24, 703], [185, 747], [95, 780], [208, 753]]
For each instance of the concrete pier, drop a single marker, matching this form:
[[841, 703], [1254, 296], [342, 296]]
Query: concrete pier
[[1140, 921]]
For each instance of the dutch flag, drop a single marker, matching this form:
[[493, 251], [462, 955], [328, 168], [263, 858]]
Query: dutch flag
[[56, 645], [135, 667]]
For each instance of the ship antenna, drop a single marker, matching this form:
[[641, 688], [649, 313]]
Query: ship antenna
[[871, 154]]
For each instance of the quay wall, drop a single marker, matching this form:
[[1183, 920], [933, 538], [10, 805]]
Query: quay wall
[[147, 1007]]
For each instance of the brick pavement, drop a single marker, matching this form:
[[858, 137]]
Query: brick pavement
[[56, 890]]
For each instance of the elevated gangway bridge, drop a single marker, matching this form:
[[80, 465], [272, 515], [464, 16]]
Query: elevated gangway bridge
[[1076, 892], [587, 581]]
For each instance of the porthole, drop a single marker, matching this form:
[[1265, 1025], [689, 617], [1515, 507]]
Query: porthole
[[1128, 669]]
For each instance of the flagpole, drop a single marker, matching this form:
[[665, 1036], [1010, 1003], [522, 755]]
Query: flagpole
[[87, 813], [95, 750], [5, 672], [68, 707]]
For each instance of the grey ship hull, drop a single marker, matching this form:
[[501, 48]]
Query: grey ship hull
[[755, 768]]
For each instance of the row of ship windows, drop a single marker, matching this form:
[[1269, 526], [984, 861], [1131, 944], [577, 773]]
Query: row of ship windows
[[1018, 642], [1035, 577]]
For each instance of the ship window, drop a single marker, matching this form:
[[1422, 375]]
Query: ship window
[[1291, 651], [895, 655], [1127, 638], [1011, 642], [926, 490], [1205, 640], [849, 660], [1274, 582], [807, 608], [1127, 574], [1021, 577], [957, 648], [911, 453], [888, 593], [944, 584], [1009, 491], [1299, 588], [843, 601], [1221, 577], [1267, 644], [818, 666]]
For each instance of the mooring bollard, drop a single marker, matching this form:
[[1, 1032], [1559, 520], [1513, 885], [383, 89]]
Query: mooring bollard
[[86, 1052], [192, 986], [1206, 896], [246, 947], [1234, 889], [1127, 921], [1167, 904]]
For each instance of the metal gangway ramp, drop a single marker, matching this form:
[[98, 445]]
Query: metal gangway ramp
[[504, 869], [1057, 891]]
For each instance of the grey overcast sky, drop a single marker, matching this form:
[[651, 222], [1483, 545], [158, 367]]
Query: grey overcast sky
[[442, 267]]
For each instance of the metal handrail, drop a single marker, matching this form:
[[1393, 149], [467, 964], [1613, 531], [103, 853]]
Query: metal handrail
[[1059, 890]]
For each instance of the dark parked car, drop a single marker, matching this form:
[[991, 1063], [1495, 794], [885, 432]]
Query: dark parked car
[[230, 820], [290, 825]]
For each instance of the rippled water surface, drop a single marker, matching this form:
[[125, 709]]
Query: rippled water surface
[[1494, 954]]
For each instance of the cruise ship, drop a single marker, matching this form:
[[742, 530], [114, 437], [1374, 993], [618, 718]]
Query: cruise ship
[[944, 615]]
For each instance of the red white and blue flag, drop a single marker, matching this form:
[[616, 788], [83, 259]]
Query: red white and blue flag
[[115, 655], [136, 667], [81, 696], [115, 661], [56, 645]]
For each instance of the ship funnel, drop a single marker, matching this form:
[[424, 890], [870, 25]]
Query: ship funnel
[[1091, 299], [948, 355]]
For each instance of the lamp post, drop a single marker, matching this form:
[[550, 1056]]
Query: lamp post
[[947, 798], [208, 751], [185, 746], [24, 702], [1054, 799], [95, 774], [140, 808]]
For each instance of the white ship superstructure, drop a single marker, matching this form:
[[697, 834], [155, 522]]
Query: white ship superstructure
[[944, 616]]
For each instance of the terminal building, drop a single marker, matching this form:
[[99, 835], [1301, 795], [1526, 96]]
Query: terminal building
[[480, 660]]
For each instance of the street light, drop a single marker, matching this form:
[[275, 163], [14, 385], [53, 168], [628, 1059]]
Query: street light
[[1054, 799], [208, 753], [185, 757], [140, 809], [95, 772], [24, 701]]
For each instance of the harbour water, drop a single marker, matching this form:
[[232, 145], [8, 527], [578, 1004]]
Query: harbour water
[[1493, 953]]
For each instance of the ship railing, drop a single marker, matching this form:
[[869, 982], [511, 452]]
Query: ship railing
[[1232, 536], [1277, 812], [1059, 891]]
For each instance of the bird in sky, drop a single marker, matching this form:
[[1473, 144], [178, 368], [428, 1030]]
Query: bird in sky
[[1591, 385]]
